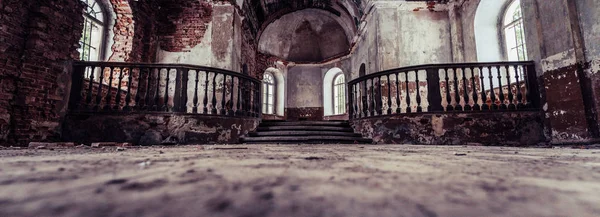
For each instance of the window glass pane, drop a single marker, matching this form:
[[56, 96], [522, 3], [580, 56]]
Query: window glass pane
[[93, 32], [271, 89]]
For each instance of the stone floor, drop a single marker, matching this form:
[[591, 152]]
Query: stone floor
[[293, 180]]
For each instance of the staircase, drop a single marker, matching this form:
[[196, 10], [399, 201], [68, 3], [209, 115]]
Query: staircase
[[305, 132]]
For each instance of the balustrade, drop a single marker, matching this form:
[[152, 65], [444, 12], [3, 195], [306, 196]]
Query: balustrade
[[461, 87], [130, 87]]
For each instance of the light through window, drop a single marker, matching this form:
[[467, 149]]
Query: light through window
[[90, 44], [268, 94], [339, 95], [514, 32]]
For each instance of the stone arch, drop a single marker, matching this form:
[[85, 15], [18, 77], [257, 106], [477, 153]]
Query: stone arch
[[487, 27], [328, 80], [362, 71], [279, 90], [123, 31]]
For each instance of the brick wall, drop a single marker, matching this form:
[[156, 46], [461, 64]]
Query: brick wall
[[12, 43], [38, 39], [46, 36], [183, 23]]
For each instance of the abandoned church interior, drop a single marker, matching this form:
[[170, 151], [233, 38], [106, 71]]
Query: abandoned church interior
[[300, 107]]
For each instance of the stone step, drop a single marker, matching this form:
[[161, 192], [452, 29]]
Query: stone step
[[305, 128], [306, 139], [306, 123], [304, 133]]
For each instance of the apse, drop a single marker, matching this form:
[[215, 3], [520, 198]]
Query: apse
[[309, 35]]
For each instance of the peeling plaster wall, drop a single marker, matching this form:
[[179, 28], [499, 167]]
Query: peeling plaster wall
[[217, 46], [589, 14], [157, 128], [511, 128], [395, 34], [365, 50], [555, 42], [305, 86]]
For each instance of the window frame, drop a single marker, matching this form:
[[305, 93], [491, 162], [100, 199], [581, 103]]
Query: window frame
[[92, 20], [265, 93], [503, 26], [337, 99]]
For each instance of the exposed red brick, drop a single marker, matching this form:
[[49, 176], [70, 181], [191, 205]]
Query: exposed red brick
[[183, 23]]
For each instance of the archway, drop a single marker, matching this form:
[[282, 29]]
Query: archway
[[334, 94]]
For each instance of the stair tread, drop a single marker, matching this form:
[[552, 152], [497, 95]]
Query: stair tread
[[305, 123], [306, 128], [288, 138], [303, 133]]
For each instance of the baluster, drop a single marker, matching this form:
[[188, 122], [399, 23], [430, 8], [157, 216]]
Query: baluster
[[511, 98], [214, 94], [128, 95], [476, 105], [99, 96], [230, 104], [157, 95], [138, 97], [501, 89], [379, 96], [148, 84], [372, 107], [408, 108], [389, 102], [118, 99], [224, 92], [205, 109], [365, 99], [250, 101], [253, 100], [484, 105], [449, 106], [492, 92], [458, 106], [520, 104], [352, 99], [88, 99], [466, 89], [398, 110], [245, 101], [238, 110], [109, 90], [166, 99], [195, 100], [355, 100], [257, 99], [418, 86], [185, 76]]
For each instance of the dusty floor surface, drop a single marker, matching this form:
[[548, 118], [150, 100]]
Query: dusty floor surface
[[319, 180]]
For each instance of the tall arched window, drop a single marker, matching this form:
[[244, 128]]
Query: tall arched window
[[91, 44], [514, 33], [268, 93], [339, 94]]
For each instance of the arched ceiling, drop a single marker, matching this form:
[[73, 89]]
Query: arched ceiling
[[309, 35]]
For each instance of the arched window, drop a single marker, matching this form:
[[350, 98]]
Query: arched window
[[514, 33], [268, 93], [91, 44], [339, 94]]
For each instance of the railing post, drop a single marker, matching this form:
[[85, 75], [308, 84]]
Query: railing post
[[350, 90], [434, 97], [180, 90], [532, 86], [76, 86]]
